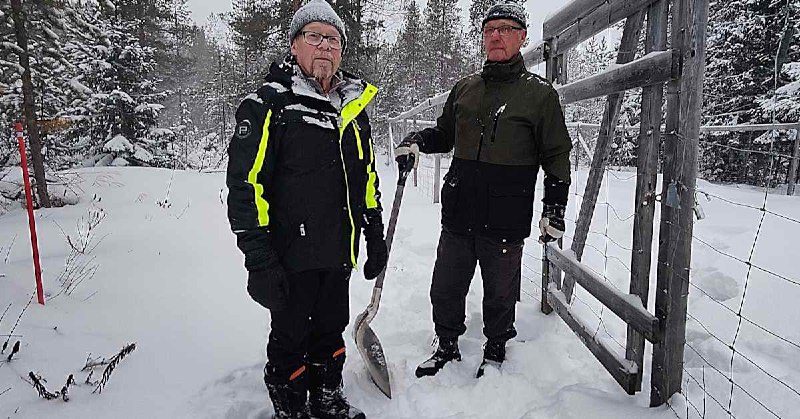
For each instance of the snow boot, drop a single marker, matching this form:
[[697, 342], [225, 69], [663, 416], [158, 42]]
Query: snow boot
[[326, 390], [446, 351], [288, 395], [494, 353]]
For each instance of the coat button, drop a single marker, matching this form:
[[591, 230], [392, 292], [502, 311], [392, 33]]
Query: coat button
[[505, 251]]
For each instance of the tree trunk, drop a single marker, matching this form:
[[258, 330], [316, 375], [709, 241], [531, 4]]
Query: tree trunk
[[28, 104]]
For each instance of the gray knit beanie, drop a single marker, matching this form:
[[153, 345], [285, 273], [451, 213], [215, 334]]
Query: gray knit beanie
[[511, 11], [316, 11]]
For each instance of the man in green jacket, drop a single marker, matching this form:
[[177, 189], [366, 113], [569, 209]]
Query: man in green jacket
[[503, 125]]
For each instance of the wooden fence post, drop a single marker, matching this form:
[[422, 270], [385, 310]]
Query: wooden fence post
[[646, 180], [690, 18], [626, 54], [794, 163]]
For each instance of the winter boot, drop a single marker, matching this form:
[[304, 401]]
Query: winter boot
[[326, 392], [494, 353], [446, 351], [288, 395]]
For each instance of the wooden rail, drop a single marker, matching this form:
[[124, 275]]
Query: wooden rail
[[627, 306], [654, 68], [583, 19]]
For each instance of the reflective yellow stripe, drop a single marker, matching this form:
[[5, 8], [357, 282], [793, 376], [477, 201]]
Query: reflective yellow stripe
[[370, 199], [352, 109], [349, 114], [358, 141], [252, 178]]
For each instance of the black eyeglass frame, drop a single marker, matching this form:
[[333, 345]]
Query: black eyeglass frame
[[337, 45], [504, 30]]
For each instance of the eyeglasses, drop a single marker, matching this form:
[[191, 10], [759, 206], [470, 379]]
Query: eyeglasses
[[504, 30], [315, 39]]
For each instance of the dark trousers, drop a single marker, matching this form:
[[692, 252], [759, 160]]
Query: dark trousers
[[310, 328], [501, 271]]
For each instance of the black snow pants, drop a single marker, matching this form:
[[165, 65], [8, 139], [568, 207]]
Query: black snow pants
[[309, 329], [501, 270]]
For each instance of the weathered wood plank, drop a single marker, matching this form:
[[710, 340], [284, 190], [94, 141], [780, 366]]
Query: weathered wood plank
[[655, 68], [794, 163], [534, 54], [626, 306], [646, 180], [624, 372], [582, 19], [749, 127], [627, 51], [677, 224]]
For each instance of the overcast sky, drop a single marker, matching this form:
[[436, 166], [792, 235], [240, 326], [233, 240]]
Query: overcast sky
[[537, 11]]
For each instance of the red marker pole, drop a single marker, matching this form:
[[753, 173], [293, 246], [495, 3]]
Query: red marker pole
[[31, 220]]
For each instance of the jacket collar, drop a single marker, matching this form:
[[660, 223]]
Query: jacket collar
[[503, 70], [347, 86]]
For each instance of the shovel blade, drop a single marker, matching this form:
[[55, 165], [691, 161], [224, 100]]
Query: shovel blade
[[372, 352]]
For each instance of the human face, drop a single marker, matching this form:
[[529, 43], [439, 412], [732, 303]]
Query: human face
[[321, 61], [499, 47]]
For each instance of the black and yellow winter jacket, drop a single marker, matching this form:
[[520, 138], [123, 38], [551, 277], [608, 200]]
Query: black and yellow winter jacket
[[503, 125], [301, 174]]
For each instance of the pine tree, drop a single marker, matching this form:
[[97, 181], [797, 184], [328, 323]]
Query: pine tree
[[443, 38], [407, 67]]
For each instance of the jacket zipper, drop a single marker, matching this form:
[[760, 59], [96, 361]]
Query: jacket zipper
[[480, 143], [494, 127]]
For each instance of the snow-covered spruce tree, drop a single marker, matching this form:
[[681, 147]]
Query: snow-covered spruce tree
[[743, 42], [125, 100], [48, 26]]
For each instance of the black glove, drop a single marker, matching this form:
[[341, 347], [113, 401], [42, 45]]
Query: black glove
[[556, 193], [269, 287], [267, 283], [552, 223], [408, 147], [377, 253]]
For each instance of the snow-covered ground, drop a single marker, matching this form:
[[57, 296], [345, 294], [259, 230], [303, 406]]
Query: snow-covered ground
[[169, 277]]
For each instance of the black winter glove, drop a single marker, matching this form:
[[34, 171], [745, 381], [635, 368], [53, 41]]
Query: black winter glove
[[552, 223], [407, 148], [377, 253], [267, 283], [269, 287]]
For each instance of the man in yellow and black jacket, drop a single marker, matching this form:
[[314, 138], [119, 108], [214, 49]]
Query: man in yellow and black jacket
[[302, 185]]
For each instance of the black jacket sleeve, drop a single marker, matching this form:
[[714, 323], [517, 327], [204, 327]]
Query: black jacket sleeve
[[441, 138], [555, 148], [251, 161]]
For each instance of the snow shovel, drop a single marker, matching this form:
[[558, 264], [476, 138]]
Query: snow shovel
[[366, 340]]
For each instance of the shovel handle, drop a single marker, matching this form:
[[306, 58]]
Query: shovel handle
[[398, 198]]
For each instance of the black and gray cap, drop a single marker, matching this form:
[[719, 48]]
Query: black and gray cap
[[316, 11], [510, 11]]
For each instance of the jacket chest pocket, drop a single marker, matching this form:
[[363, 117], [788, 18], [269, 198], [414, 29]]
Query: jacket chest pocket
[[512, 140], [510, 207], [308, 143]]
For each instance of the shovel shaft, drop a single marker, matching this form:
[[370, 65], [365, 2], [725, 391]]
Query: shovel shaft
[[367, 342]]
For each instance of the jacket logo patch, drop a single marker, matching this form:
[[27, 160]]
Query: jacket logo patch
[[243, 129]]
